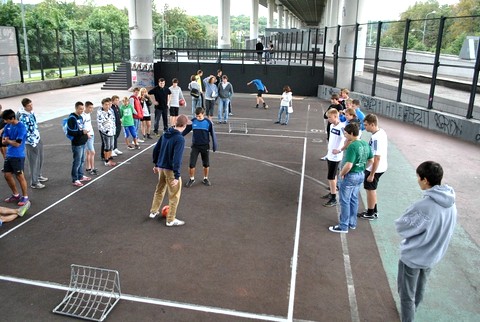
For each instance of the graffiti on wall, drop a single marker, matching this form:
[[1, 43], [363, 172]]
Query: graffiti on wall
[[447, 125]]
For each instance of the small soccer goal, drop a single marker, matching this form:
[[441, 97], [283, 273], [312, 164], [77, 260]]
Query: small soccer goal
[[92, 293], [237, 126]]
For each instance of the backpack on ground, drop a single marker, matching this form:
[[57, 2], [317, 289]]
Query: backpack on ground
[[66, 128]]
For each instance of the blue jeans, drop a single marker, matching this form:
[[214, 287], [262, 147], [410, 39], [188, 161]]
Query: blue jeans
[[348, 191], [196, 102], [223, 109], [280, 112], [78, 160]]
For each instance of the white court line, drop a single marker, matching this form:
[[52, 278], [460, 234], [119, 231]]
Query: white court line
[[154, 301], [74, 192], [352, 298]]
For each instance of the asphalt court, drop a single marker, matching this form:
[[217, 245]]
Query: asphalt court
[[255, 245]]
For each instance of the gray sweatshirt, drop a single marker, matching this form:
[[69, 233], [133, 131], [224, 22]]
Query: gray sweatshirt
[[427, 227]]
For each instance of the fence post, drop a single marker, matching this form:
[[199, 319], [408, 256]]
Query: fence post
[[59, 58], [476, 71], [377, 54], [354, 62], [113, 51], [403, 62], [74, 48], [101, 50], [19, 55], [436, 62], [40, 58], [89, 54], [123, 47]]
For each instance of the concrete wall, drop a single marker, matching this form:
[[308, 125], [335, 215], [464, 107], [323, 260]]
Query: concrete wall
[[48, 85], [459, 127], [302, 79]]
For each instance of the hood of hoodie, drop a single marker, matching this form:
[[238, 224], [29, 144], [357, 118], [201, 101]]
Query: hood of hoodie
[[444, 195], [171, 131]]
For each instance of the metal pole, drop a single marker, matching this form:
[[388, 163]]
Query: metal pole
[[476, 71], [59, 58], [404, 60], [19, 55], [74, 48], [377, 54], [436, 63], [25, 41]]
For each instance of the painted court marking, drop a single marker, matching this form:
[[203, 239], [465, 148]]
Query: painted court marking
[[215, 310]]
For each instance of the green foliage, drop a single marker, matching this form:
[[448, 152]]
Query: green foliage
[[10, 14], [108, 18]]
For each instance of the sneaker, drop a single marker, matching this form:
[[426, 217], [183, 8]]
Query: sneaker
[[77, 183], [37, 186], [323, 158], [153, 215], [22, 201], [206, 182], [114, 154], [190, 183], [13, 198], [365, 215], [337, 229], [130, 147], [42, 179], [256, 106], [149, 137], [352, 227], [137, 146], [94, 171], [278, 122], [330, 203], [265, 106], [84, 178], [230, 114], [110, 164], [1, 223], [140, 140], [117, 151], [175, 222], [327, 196], [23, 209]]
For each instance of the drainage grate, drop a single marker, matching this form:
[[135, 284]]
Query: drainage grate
[[92, 293]]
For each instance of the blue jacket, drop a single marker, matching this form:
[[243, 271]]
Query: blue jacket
[[202, 130], [168, 152]]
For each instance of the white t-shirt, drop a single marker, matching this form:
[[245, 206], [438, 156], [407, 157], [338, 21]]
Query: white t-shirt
[[87, 122], [379, 145], [336, 141]]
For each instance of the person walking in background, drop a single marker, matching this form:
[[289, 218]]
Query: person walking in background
[[357, 157], [33, 144], [199, 79], [211, 94], [259, 49], [379, 145], [426, 228], [285, 102], [202, 131], [225, 93], [14, 137], [261, 88], [161, 94], [167, 159], [90, 145], [76, 129], [118, 124]]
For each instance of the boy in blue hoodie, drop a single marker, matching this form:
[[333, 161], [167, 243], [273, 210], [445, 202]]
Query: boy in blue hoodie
[[167, 157], [426, 228]]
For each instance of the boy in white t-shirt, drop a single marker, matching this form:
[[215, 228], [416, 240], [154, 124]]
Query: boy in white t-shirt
[[379, 145], [89, 147], [334, 155]]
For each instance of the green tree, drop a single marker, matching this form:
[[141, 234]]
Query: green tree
[[10, 14]]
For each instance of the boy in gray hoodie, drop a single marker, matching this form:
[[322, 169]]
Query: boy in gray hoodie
[[426, 228]]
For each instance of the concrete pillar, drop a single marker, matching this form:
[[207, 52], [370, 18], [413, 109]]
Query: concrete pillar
[[332, 21], [286, 18], [347, 42], [141, 42], [271, 9], [254, 20], [224, 25], [280, 16]]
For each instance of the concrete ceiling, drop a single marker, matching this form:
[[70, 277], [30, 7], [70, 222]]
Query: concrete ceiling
[[308, 11]]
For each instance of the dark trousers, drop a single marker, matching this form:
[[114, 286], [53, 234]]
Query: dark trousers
[[160, 113]]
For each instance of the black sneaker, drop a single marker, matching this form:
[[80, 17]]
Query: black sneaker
[[365, 215], [337, 229], [190, 183], [206, 182], [330, 203], [327, 196]]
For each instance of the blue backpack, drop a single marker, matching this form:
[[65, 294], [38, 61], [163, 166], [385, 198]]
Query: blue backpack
[[66, 128]]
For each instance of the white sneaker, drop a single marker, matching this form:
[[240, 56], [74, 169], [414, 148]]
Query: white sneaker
[[175, 222], [140, 140], [117, 151], [114, 154], [153, 215]]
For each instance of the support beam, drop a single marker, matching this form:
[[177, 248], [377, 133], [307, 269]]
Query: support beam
[[224, 25], [254, 20]]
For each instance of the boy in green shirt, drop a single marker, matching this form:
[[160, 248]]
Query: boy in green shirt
[[358, 156]]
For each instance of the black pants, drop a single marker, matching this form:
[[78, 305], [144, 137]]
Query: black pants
[[160, 113]]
